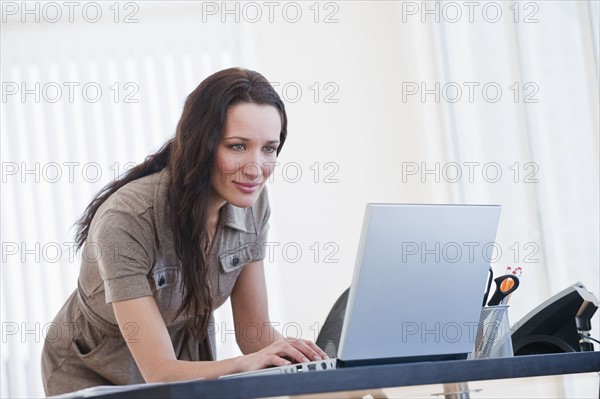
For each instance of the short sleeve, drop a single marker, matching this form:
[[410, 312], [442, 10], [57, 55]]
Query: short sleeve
[[124, 253]]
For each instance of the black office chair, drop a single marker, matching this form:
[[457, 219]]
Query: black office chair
[[329, 336]]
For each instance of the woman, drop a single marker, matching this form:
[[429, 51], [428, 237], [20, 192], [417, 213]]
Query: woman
[[170, 241]]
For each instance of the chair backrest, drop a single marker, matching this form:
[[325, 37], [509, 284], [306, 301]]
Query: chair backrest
[[330, 333]]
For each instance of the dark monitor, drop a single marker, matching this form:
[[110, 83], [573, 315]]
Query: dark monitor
[[560, 324]]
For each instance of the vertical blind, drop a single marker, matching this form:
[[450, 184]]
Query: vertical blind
[[79, 119]]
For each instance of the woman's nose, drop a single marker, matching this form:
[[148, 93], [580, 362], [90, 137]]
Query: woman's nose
[[252, 169]]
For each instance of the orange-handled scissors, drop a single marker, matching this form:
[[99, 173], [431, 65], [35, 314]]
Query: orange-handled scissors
[[505, 285]]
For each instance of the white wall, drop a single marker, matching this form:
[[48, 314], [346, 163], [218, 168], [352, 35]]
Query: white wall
[[361, 136]]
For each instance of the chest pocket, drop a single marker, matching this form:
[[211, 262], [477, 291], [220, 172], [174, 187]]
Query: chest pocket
[[232, 262]]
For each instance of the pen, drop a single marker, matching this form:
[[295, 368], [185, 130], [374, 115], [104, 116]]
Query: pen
[[517, 272]]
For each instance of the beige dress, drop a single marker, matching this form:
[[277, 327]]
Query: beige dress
[[129, 253]]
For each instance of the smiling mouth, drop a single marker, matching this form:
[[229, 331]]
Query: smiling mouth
[[246, 187]]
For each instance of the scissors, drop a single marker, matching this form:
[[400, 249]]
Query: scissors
[[505, 285]]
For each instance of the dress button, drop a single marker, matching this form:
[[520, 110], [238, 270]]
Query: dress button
[[235, 261]]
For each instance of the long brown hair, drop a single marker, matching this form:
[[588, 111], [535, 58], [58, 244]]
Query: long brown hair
[[190, 158]]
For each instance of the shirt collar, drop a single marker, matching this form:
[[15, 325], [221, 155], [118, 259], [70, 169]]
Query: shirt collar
[[238, 218], [232, 216]]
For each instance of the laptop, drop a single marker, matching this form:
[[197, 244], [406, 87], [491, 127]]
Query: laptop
[[417, 287]]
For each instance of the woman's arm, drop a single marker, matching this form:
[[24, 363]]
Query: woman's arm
[[147, 338], [250, 307]]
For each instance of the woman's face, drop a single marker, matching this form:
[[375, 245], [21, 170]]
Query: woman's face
[[247, 154]]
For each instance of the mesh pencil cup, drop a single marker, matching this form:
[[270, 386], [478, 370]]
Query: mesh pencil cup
[[493, 334]]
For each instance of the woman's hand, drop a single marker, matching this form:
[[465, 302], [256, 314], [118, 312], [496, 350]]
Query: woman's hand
[[282, 352]]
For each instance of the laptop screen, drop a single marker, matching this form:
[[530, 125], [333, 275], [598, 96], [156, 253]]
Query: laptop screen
[[418, 282]]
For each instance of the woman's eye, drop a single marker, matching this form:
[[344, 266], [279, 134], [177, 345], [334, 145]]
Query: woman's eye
[[237, 147], [270, 149]]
